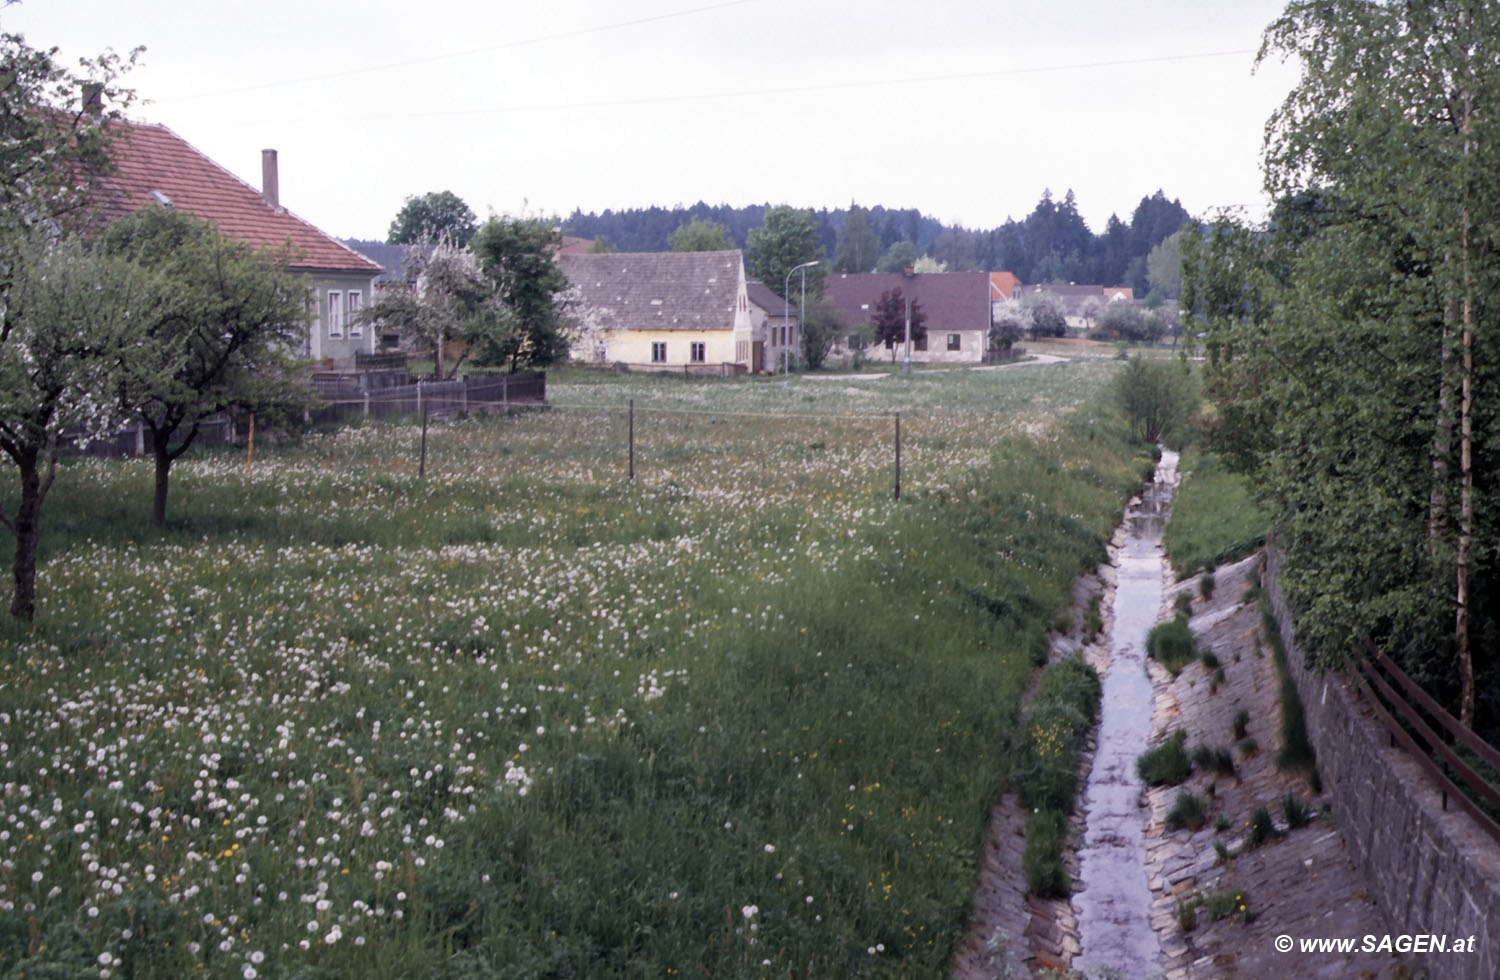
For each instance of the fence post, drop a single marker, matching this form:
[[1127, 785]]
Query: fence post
[[140, 438], [632, 439], [422, 465], [464, 396], [250, 454], [419, 401], [898, 456], [505, 393], [367, 403]]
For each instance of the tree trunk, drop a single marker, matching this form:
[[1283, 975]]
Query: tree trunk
[[163, 475], [1465, 443], [27, 528]]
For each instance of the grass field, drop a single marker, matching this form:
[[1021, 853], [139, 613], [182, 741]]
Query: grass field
[[742, 717], [1215, 517]]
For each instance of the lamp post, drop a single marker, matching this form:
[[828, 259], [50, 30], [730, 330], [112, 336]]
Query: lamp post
[[786, 311]]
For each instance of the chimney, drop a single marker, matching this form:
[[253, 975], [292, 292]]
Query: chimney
[[269, 188], [93, 99], [909, 272]]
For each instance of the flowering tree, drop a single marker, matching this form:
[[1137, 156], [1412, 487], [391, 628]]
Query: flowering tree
[[69, 328], [453, 300]]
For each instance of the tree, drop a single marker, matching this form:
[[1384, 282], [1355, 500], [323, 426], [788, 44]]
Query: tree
[[889, 318], [927, 265], [1008, 325], [224, 342], [701, 235], [1164, 267], [1361, 313], [437, 216], [453, 301], [518, 256], [786, 240], [69, 331], [858, 249], [901, 255], [1123, 320], [1045, 314], [1157, 398], [602, 246], [822, 324]]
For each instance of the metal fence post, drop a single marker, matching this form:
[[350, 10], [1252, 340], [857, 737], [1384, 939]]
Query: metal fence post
[[632, 439], [422, 465], [898, 456]]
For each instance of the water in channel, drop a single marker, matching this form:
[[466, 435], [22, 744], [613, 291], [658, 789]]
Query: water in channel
[[1114, 906]]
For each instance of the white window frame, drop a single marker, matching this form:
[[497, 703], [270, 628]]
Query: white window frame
[[354, 299], [335, 313], [658, 352]]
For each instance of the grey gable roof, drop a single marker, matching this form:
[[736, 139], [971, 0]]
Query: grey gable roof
[[657, 290], [765, 297]]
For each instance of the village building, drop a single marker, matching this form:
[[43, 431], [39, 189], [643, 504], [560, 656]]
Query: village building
[[956, 305]]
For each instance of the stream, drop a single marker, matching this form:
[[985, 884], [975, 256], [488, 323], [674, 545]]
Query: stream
[[1114, 905]]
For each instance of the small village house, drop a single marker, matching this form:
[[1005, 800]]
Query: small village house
[[956, 304], [154, 167], [661, 311]]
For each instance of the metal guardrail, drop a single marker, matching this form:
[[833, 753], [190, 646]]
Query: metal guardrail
[[1389, 704]]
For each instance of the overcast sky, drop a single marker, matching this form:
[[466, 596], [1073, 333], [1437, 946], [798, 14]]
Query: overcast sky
[[966, 109]]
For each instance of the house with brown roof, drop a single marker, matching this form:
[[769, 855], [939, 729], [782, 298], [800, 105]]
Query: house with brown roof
[[774, 325], [661, 310], [957, 306], [154, 167]]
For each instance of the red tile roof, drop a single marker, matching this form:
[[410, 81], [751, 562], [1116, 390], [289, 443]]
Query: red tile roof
[[151, 158], [1003, 285]]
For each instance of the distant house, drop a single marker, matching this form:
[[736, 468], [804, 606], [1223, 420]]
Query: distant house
[[1082, 304], [154, 167], [774, 327], [661, 310], [1004, 285], [957, 306]]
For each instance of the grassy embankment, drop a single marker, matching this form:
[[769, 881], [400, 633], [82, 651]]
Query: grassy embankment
[[743, 717], [1215, 517]]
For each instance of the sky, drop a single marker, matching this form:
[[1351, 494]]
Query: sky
[[965, 109]]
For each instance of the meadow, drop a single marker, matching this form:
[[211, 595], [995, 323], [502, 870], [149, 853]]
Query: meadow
[[742, 717]]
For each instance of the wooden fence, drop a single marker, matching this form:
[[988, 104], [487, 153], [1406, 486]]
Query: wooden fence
[[345, 400], [1401, 704]]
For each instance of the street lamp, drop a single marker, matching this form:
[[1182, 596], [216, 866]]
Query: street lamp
[[786, 312]]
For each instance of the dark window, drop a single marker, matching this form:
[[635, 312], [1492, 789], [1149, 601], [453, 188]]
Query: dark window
[[697, 351], [920, 343], [659, 352], [955, 342]]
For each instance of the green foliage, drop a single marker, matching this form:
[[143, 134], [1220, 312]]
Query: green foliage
[[1215, 519], [901, 255], [454, 302], [1044, 314], [1046, 875], [822, 324], [1165, 765], [1171, 644], [1297, 813], [1157, 398], [1123, 320], [1261, 829], [1189, 811], [517, 254], [786, 240], [858, 249], [1241, 722], [1164, 267], [701, 235], [431, 218], [1211, 759]]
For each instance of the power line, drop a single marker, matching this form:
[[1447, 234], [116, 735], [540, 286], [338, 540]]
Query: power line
[[451, 55], [792, 89]]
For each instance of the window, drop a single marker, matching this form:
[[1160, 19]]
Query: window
[[658, 352], [355, 299], [698, 351], [335, 313], [920, 343], [955, 342]]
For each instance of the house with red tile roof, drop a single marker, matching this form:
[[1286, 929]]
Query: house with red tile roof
[[1004, 285], [154, 167], [957, 306]]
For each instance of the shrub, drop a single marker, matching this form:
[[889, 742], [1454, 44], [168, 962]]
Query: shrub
[[1171, 645], [1206, 584], [1225, 903], [1165, 765], [1188, 811], [1046, 876], [1216, 759], [1241, 722], [1209, 660], [1262, 829], [1297, 813], [1183, 604], [1248, 748], [1047, 774]]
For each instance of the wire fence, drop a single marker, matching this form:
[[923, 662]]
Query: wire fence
[[346, 399]]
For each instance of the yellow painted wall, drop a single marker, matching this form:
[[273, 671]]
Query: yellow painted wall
[[634, 346]]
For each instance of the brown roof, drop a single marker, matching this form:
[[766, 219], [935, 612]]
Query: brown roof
[[765, 297], [951, 300], [657, 290], [155, 166]]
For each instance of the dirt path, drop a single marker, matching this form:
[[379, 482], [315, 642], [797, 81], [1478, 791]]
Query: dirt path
[[1300, 883]]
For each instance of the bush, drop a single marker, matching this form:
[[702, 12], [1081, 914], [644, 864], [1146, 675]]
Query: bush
[[1046, 876], [1165, 765], [1241, 721], [1214, 759], [1188, 811], [1262, 829], [1172, 645], [1297, 813], [1157, 398], [1206, 584]]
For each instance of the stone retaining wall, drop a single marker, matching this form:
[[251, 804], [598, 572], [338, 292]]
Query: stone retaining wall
[[1430, 871]]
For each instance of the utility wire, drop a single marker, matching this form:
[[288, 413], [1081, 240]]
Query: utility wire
[[451, 55]]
